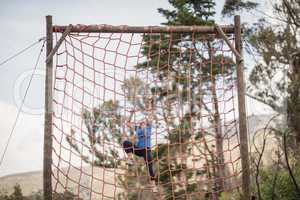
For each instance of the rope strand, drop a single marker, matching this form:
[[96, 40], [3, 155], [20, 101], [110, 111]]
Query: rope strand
[[22, 51], [23, 101]]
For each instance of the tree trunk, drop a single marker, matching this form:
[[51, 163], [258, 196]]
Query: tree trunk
[[219, 140], [293, 107]]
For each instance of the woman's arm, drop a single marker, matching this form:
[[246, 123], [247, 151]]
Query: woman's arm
[[129, 123], [132, 138], [150, 113]]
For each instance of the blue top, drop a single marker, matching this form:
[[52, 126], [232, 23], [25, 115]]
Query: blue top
[[144, 136]]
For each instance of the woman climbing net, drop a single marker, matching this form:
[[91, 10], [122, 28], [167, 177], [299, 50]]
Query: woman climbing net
[[141, 145]]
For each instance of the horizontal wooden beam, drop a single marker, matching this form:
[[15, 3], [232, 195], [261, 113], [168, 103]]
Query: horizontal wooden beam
[[103, 28]]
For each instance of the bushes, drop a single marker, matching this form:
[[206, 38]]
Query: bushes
[[277, 184], [18, 195]]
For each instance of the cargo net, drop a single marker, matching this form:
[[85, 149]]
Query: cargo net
[[181, 85]]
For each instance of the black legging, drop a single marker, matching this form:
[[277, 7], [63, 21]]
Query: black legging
[[141, 152]]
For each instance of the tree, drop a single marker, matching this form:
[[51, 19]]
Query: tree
[[188, 79], [232, 6], [66, 195], [180, 75], [103, 125], [15, 195], [18, 195], [276, 75], [275, 81]]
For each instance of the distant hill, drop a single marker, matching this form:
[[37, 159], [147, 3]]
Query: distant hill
[[30, 182], [104, 181]]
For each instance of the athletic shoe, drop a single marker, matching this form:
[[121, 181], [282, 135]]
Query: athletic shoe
[[130, 162], [153, 186]]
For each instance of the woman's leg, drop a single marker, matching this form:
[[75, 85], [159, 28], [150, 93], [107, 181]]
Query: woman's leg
[[141, 152], [149, 163], [128, 148], [146, 154]]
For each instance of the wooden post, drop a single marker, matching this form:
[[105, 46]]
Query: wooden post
[[242, 112], [47, 183]]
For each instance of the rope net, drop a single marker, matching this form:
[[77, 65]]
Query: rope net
[[184, 81]]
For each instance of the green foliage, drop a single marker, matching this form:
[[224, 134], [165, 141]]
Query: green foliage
[[103, 125], [186, 78], [36, 196], [16, 195], [277, 184], [275, 78], [189, 79], [232, 6], [189, 12], [233, 195], [67, 195], [4, 196]]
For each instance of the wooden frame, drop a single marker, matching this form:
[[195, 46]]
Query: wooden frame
[[218, 30]]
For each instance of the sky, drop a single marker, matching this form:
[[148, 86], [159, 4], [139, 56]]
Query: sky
[[22, 23]]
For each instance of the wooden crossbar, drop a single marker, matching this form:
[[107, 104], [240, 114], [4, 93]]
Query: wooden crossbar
[[228, 29]]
